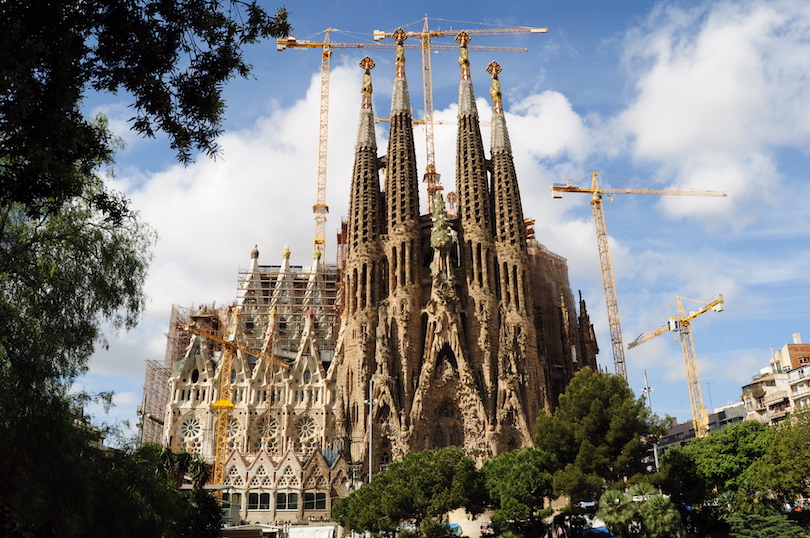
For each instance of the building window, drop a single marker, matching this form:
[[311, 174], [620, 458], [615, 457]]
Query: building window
[[314, 501], [264, 501], [234, 498], [253, 501], [286, 501]]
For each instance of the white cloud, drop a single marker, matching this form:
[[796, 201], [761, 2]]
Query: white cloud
[[718, 88]]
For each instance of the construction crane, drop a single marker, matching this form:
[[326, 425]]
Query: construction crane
[[321, 208], [683, 325], [432, 177], [223, 406], [602, 245]]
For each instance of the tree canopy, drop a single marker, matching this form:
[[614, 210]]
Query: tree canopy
[[724, 459], [517, 484], [74, 255], [600, 434], [640, 513], [784, 468], [422, 486], [171, 58]]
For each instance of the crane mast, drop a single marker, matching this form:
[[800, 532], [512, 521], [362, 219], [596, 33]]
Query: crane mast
[[609, 283], [603, 246], [320, 208], [683, 325], [432, 178]]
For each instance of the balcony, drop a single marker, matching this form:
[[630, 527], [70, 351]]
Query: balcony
[[798, 392], [776, 414], [775, 397]]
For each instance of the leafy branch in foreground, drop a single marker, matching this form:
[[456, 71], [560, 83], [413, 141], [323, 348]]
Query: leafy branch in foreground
[[172, 58]]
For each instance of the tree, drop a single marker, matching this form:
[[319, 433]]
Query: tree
[[724, 458], [762, 526], [422, 486], [600, 434], [518, 483], [73, 254], [785, 466], [715, 476], [172, 58], [641, 513]]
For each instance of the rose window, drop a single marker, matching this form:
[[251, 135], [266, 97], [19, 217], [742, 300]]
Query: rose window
[[267, 428], [191, 435], [265, 435], [233, 430], [305, 428]]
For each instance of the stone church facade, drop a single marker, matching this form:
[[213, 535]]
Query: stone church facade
[[453, 328]]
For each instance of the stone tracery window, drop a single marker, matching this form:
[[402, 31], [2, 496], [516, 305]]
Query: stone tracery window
[[190, 435], [264, 435], [233, 433], [306, 437]]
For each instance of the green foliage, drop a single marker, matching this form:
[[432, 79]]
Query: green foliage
[[724, 458], [74, 256], [785, 467], [422, 486], [762, 526], [642, 513], [600, 435], [61, 275], [171, 57], [518, 483], [678, 477]]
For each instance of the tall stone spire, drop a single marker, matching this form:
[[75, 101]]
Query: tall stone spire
[[509, 225], [477, 248], [362, 277], [365, 203], [521, 372], [401, 245], [471, 167], [401, 179]]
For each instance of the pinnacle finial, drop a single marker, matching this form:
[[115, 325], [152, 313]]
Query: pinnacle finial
[[464, 59], [367, 64], [399, 36], [463, 38], [495, 89]]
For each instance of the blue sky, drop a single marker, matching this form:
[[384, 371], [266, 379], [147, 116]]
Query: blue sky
[[707, 95]]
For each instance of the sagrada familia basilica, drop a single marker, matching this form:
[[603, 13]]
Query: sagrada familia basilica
[[453, 328]]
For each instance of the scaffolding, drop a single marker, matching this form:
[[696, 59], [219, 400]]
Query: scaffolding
[[153, 406], [292, 293], [155, 398]]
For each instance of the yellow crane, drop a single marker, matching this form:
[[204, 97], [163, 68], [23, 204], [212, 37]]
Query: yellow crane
[[602, 245], [683, 325], [223, 406], [321, 208]]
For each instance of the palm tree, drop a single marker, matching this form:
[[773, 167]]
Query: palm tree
[[640, 513], [661, 518], [618, 512]]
